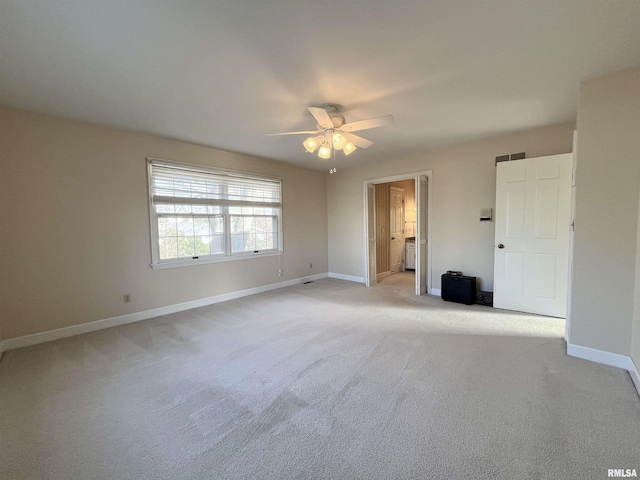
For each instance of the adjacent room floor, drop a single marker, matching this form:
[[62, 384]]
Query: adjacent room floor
[[318, 381]]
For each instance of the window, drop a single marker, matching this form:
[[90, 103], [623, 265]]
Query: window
[[203, 215]]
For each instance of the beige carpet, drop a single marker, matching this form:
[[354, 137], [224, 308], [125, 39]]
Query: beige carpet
[[329, 380]]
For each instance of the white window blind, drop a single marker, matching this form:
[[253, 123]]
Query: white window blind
[[200, 215]]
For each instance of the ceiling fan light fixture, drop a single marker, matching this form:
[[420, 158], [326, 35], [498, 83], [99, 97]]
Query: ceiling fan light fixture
[[333, 133], [310, 144], [339, 141], [348, 148], [324, 152]]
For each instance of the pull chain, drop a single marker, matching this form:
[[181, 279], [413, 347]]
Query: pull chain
[[333, 151]]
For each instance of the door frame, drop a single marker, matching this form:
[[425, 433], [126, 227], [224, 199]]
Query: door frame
[[393, 178], [567, 326]]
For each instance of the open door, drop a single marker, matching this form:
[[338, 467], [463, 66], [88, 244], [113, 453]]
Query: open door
[[533, 207], [371, 234]]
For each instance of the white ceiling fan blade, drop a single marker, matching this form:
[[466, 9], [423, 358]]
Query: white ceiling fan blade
[[305, 132], [370, 123], [358, 141], [321, 116]]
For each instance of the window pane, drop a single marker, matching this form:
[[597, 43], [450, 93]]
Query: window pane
[[237, 224], [167, 227], [217, 244], [238, 235], [260, 224], [186, 247], [251, 233], [168, 247], [183, 208], [185, 226], [238, 242], [200, 209], [201, 226], [165, 208], [217, 225], [181, 237], [203, 245]]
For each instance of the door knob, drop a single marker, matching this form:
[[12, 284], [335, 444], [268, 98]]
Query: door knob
[[393, 238], [500, 245]]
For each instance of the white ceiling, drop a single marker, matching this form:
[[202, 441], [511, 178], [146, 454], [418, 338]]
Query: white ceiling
[[224, 73]]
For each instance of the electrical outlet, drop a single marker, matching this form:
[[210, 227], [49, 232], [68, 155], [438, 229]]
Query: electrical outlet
[[127, 298], [280, 272]]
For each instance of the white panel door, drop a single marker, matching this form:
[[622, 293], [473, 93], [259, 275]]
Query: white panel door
[[396, 200], [533, 205]]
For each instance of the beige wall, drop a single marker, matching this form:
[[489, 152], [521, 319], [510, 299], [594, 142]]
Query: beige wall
[[463, 182], [75, 225], [606, 232]]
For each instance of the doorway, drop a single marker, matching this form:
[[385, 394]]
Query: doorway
[[394, 202], [413, 215]]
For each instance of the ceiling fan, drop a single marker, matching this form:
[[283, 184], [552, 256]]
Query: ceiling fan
[[333, 133]]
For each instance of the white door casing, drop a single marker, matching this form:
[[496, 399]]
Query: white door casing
[[422, 190], [396, 228], [574, 158], [533, 204]]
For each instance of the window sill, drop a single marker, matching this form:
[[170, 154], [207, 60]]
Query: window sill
[[189, 262]]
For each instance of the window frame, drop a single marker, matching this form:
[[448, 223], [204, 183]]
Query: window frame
[[228, 255]]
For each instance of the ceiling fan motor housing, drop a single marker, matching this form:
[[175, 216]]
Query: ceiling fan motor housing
[[337, 119]]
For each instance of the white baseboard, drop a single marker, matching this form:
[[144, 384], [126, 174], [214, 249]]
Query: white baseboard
[[436, 291], [635, 376], [73, 330], [606, 358], [600, 356], [350, 278]]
